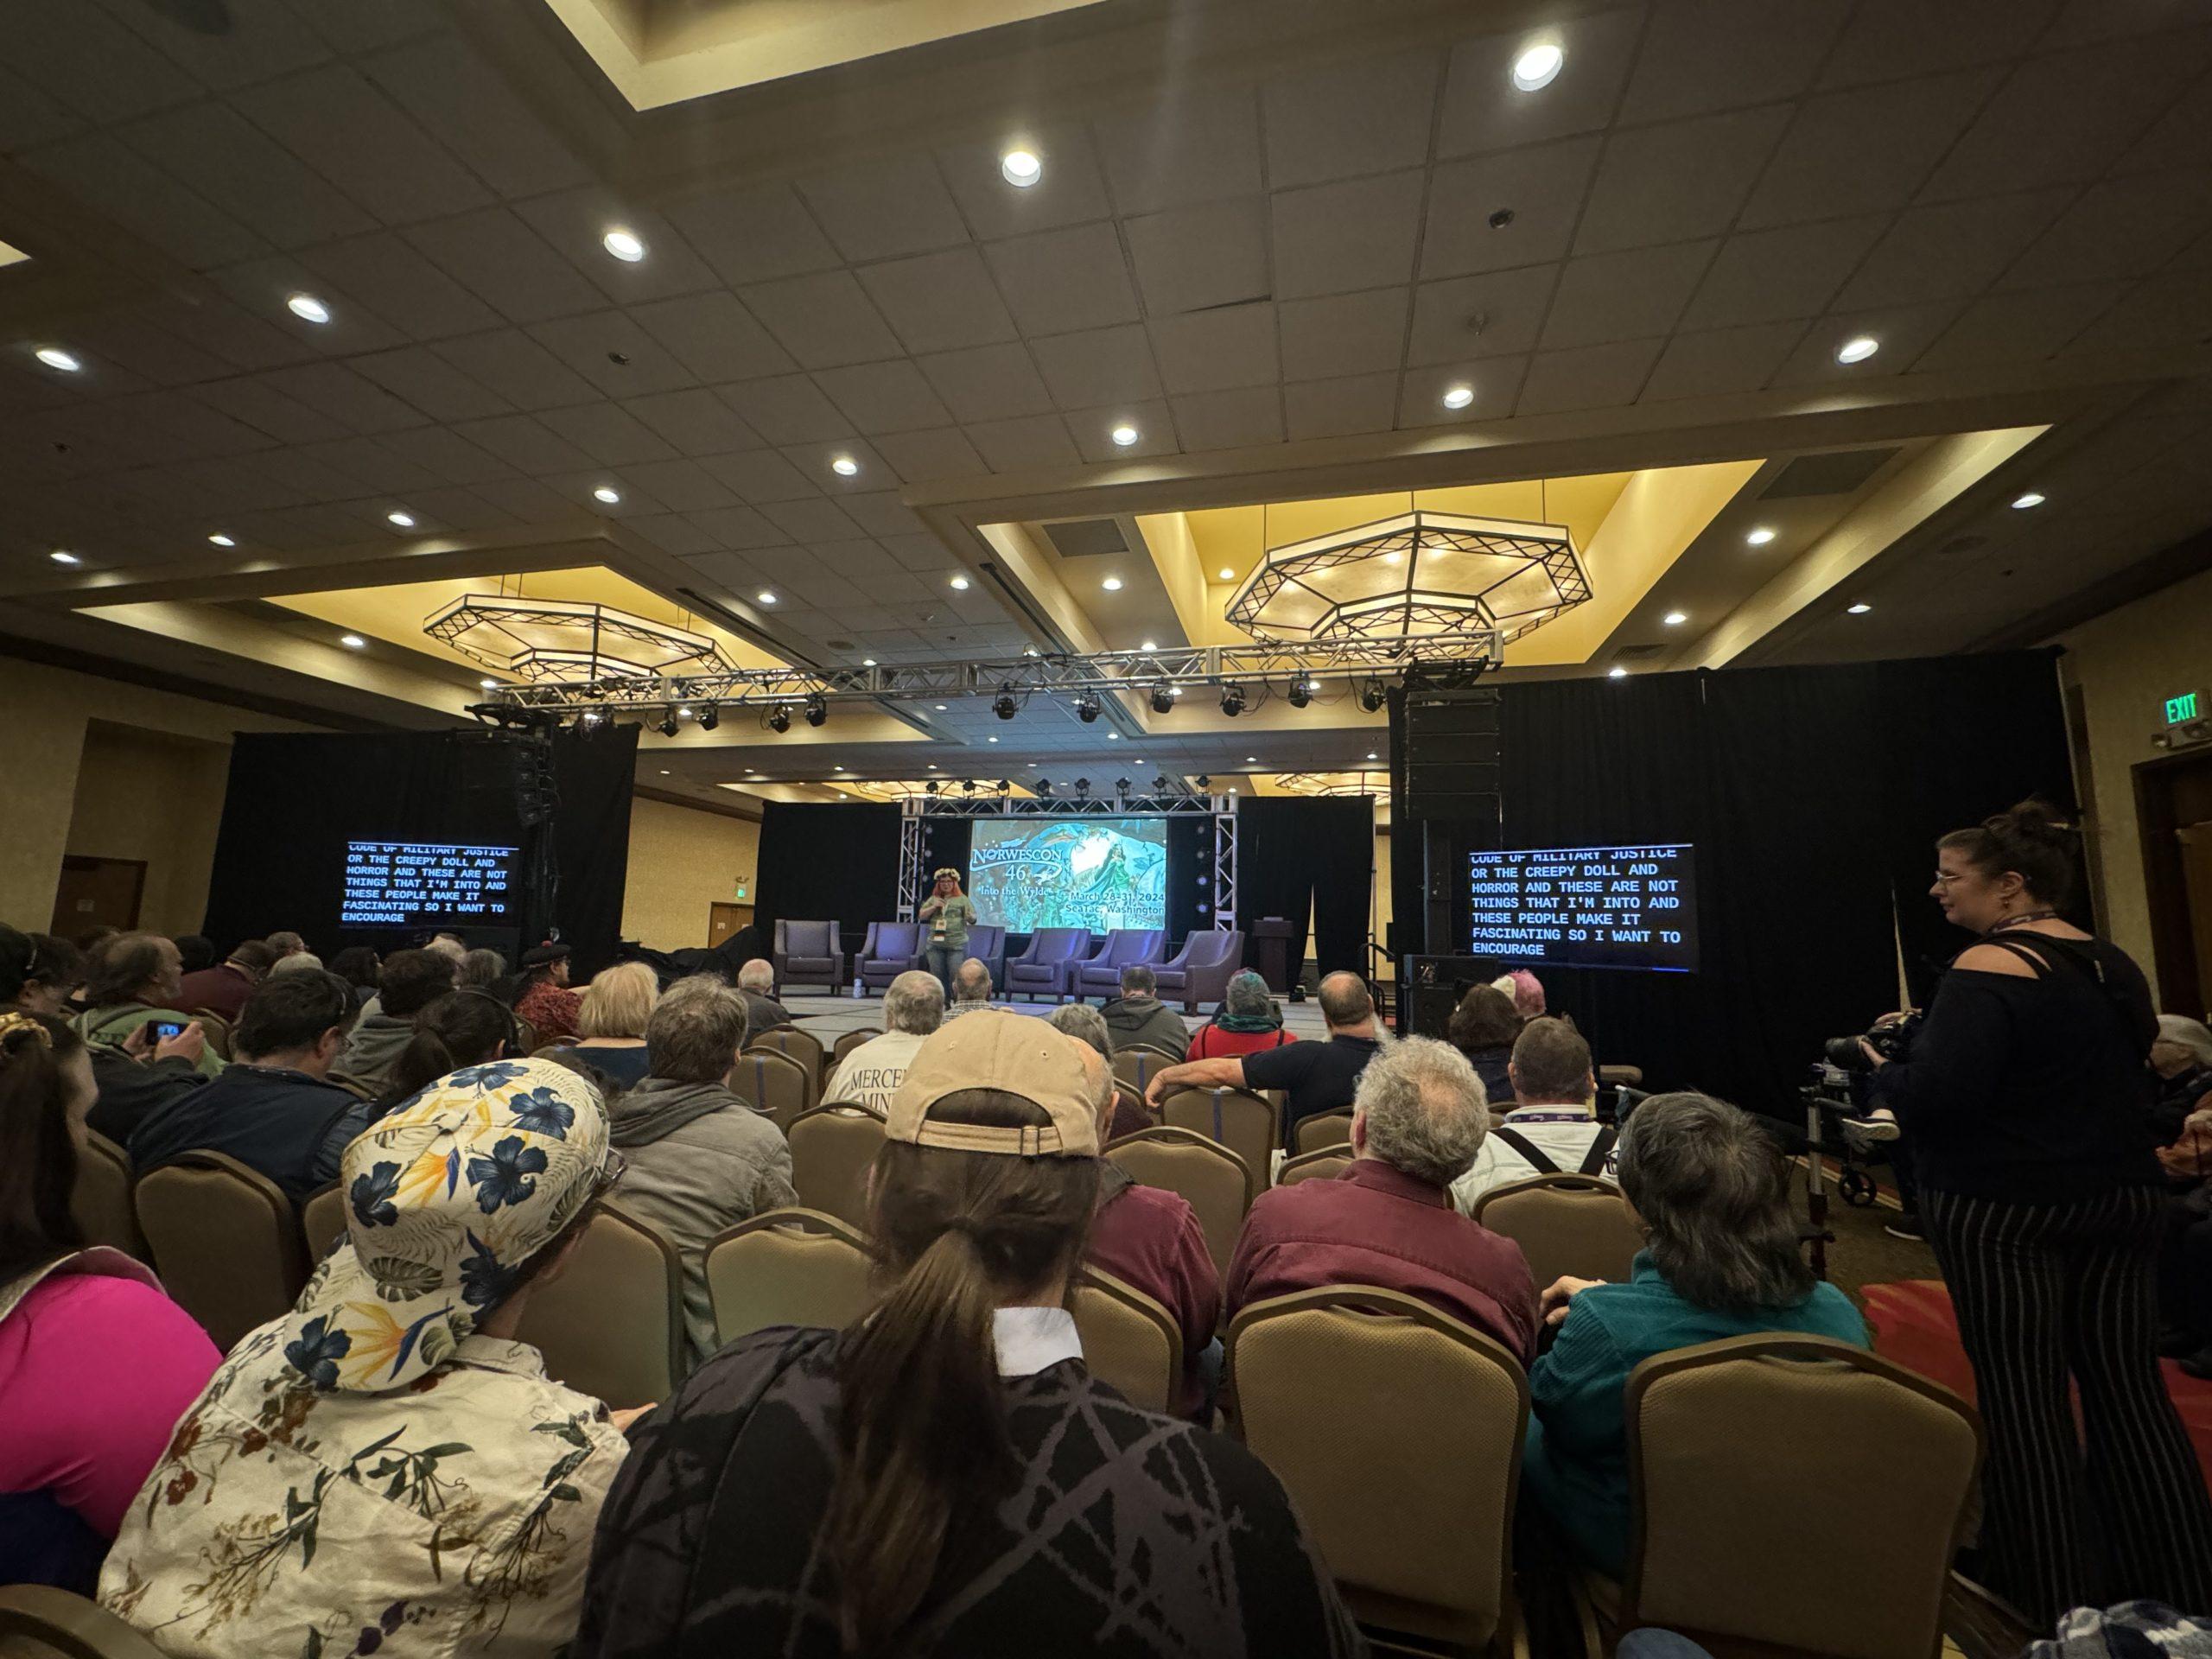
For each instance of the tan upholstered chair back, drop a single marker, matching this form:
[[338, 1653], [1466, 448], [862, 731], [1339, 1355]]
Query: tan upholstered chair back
[[37, 1622], [832, 1147], [1565, 1224], [610, 1322], [101, 1199], [217, 1031], [226, 1242], [1220, 1184], [1323, 1164], [1135, 1064], [787, 1267], [1129, 1340], [774, 1081], [802, 1045], [1751, 1450], [1396, 1430], [1248, 1124], [846, 1045], [1322, 1130], [323, 1221]]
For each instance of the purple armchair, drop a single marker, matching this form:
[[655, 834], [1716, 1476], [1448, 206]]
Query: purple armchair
[[1102, 975], [1201, 972], [893, 949], [808, 953], [1046, 968]]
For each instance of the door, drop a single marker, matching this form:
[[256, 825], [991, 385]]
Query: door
[[97, 893], [724, 920], [2196, 840]]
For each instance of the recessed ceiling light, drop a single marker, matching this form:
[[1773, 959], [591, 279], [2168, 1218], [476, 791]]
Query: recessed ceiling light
[[841, 765], [764, 597], [1538, 65], [844, 466], [1370, 754], [990, 740], [307, 308], [352, 641], [1251, 759], [1112, 584], [404, 520], [487, 685], [2032, 499], [60, 557], [867, 662], [1020, 169], [1458, 396], [1859, 609], [960, 584], [1116, 737], [55, 357], [940, 708], [221, 540], [1617, 673], [1760, 537], [1228, 574], [1124, 435], [1675, 618], [932, 765], [608, 493], [664, 772], [1148, 645], [624, 246], [1858, 349]]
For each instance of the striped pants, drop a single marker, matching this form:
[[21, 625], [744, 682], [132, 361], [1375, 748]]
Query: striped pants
[[2046, 1293]]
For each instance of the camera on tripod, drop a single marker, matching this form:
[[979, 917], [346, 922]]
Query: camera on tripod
[[1891, 1039]]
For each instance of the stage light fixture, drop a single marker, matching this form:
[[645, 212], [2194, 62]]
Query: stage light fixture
[[1006, 785], [779, 719], [930, 788], [1004, 705], [1163, 697], [1159, 784], [1371, 695], [711, 718], [1300, 693], [1201, 781], [1044, 789], [1086, 707], [1083, 788], [1121, 786], [1232, 700], [668, 722], [817, 707]]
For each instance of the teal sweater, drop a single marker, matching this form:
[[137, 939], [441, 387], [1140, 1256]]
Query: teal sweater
[[1575, 1464]]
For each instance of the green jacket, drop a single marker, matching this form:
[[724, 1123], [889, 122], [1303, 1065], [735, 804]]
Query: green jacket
[[957, 916], [112, 1025]]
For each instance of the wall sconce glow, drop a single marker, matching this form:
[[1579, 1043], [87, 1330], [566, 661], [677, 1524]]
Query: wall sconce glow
[[608, 493], [1020, 169], [1458, 396], [1112, 584], [55, 357], [1760, 537], [844, 466], [1124, 436], [2022, 503], [352, 642], [404, 520], [1539, 66], [1858, 349], [307, 308], [624, 246], [221, 540], [60, 557]]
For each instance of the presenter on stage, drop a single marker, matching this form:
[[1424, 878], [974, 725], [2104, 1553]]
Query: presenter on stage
[[950, 913]]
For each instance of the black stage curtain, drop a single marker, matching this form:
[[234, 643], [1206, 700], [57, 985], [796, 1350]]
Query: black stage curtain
[[822, 862], [1290, 850], [1808, 793], [595, 773], [945, 844], [1189, 878]]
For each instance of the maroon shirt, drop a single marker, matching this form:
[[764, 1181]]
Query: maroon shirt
[[1377, 1225], [1150, 1239], [221, 989]]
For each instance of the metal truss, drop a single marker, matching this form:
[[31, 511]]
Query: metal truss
[[1136, 671]]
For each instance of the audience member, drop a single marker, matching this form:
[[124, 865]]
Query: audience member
[[971, 988], [359, 967], [611, 1018], [195, 951], [456, 1031], [1483, 1027], [386, 1469], [140, 1078], [2182, 1056], [224, 988], [411, 981], [1417, 1123], [480, 971], [1084, 1023], [55, 976], [1247, 1021], [96, 1364], [1526, 990], [871, 1074], [701, 1159], [546, 1002], [1712, 1190], [92, 935], [1149, 1237], [447, 944], [1316, 1076], [131, 981], [1138, 1015], [948, 1476], [285, 943], [756, 982], [299, 962], [274, 1108], [1554, 1129]]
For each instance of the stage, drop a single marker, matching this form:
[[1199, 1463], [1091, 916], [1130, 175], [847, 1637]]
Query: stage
[[831, 1017]]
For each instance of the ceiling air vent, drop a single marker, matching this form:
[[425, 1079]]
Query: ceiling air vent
[[1087, 539], [1637, 653], [1838, 473]]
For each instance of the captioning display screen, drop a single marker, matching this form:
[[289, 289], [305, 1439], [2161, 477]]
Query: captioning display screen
[[1587, 906], [1101, 873], [412, 883]]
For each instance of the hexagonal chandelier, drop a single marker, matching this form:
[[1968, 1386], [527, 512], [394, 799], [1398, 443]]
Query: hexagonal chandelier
[[567, 639], [1418, 575]]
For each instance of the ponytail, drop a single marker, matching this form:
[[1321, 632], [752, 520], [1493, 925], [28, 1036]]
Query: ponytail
[[460, 1028], [38, 1154]]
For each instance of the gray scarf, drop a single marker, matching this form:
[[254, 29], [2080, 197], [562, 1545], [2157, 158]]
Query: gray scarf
[[657, 1106]]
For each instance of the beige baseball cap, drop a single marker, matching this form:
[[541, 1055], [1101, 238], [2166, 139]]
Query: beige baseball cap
[[1016, 1054]]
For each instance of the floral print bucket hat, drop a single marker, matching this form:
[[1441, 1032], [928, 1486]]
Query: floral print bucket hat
[[445, 1199]]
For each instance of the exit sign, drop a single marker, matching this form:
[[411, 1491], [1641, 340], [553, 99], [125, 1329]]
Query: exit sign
[[2183, 708]]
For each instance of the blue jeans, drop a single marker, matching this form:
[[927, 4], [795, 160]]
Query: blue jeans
[[1652, 1643], [944, 958]]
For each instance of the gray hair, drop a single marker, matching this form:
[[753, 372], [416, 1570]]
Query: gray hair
[[914, 1004], [1425, 1108], [1712, 1188], [299, 962], [1248, 996], [478, 969], [1136, 976], [696, 1031], [757, 976], [972, 981], [2185, 1032], [1084, 1023]]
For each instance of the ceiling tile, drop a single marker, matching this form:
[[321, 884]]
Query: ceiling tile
[[1889, 39], [2180, 138], [505, 264], [1590, 376], [1098, 366], [812, 520], [1344, 334], [923, 457], [760, 475], [987, 383], [1094, 430], [215, 150], [611, 436], [1958, 247], [1497, 315], [1368, 116], [1905, 332], [353, 135], [573, 223], [1333, 238], [884, 207], [1542, 186], [883, 397], [672, 532], [1663, 184], [736, 527], [939, 301], [1071, 191], [1721, 360], [1217, 351], [2163, 312], [879, 513], [1023, 445], [525, 444], [609, 350], [1057, 281], [1336, 409], [447, 453], [817, 461], [28, 118], [518, 368], [400, 286], [1632, 295], [822, 320], [116, 181], [1201, 148], [1865, 149], [351, 27], [695, 421], [90, 62], [431, 384], [261, 287], [787, 408], [754, 235], [1793, 271], [714, 336], [1496, 380], [1229, 420], [526, 499], [346, 396], [1701, 55], [2121, 227], [443, 83], [2013, 328], [1483, 110], [682, 485], [1189, 258]]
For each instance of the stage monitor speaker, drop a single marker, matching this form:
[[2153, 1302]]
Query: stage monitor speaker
[[1452, 752], [1431, 987]]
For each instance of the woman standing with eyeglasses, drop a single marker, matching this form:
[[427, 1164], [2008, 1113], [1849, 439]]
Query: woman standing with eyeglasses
[[2026, 1096], [950, 913]]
